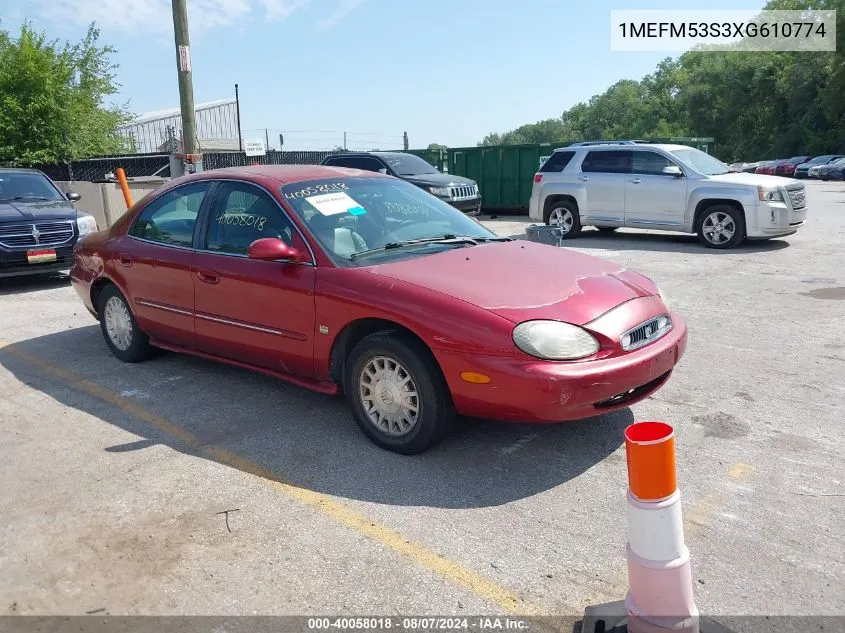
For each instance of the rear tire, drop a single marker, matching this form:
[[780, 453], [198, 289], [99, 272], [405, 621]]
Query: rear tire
[[721, 226], [397, 393], [123, 336], [565, 217]]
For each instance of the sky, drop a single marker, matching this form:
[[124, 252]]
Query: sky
[[445, 71]]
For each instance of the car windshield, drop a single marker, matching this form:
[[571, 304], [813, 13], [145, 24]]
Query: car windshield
[[701, 162], [408, 164], [366, 221], [820, 160], [797, 160], [26, 186]]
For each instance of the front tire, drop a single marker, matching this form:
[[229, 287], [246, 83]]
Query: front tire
[[123, 336], [721, 226], [397, 393], [565, 217]]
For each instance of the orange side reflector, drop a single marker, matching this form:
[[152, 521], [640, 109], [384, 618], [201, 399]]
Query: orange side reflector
[[475, 378]]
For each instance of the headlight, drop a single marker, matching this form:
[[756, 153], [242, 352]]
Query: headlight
[[769, 194], [86, 224], [443, 192], [554, 340]]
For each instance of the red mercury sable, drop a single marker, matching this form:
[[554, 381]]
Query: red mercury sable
[[349, 281]]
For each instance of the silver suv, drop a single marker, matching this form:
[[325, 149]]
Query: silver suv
[[663, 187]]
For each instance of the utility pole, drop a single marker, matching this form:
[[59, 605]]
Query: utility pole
[[238, 113], [186, 85], [405, 140], [344, 141], [266, 140]]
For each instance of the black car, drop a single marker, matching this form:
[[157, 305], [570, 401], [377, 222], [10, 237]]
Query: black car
[[461, 193], [39, 225]]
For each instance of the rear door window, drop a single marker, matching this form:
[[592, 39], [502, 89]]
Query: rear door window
[[172, 218], [609, 162]]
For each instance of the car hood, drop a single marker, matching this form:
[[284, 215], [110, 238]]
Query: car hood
[[438, 180], [19, 211], [752, 180], [523, 280]]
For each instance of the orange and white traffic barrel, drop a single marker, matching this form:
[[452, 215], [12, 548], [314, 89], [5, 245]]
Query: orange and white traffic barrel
[[660, 590]]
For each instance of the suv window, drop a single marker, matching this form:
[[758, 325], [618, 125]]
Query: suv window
[[241, 214], [171, 219], [557, 161], [356, 162], [610, 162], [649, 163]]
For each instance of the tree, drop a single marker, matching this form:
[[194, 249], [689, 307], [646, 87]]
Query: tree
[[437, 146], [757, 105], [52, 99]]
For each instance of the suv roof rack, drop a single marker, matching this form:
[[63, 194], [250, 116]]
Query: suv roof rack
[[619, 142]]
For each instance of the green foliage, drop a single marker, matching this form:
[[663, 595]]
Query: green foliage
[[437, 146], [757, 105], [52, 99]]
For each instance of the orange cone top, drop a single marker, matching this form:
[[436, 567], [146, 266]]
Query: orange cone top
[[650, 449]]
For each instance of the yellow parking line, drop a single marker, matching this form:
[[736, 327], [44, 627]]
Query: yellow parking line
[[450, 570]]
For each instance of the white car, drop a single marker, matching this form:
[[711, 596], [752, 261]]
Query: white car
[[663, 187]]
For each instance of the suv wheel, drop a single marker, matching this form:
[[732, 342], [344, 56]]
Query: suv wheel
[[564, 216], [721, 226], [397, 394]]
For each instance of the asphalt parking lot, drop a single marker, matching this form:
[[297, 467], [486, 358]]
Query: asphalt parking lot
[[180, 486]]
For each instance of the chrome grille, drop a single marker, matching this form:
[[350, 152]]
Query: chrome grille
[[464, 192], [646, 333], [797, 197], [36, 234]]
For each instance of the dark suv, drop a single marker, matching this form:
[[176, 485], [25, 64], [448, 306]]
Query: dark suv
[[461, 193], [39, 225]]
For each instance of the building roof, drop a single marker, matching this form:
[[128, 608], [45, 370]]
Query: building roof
[[172, 112]]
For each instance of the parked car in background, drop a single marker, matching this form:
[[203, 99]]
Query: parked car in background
[[663, 187], [833, 171], [39, 224], [768, 168], [804, 169], [462, 193], [787, 167], [348, 281], [749, 168]]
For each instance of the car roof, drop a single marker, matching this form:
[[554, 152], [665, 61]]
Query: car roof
[[623, 146], [285, 173], [12, 170]]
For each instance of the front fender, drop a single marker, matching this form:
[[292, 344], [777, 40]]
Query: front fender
[[746, 197]]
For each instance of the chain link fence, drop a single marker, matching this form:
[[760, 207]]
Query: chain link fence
[[103, 168]]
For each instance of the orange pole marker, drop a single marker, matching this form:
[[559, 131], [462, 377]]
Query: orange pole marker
[[650, 449], [124, 186]]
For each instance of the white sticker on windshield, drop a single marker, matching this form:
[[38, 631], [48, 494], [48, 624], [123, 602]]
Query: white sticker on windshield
[[334, 203]]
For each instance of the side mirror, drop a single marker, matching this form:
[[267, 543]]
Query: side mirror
[[273, 249], [73, 196], [673, 170], [383, 170]]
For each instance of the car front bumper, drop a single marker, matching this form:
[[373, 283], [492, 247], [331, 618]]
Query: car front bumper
[[470, 207], [774, 219], [14, 263], [546, 391]]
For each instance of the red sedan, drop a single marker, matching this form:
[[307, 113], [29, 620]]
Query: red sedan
[[341, 280]]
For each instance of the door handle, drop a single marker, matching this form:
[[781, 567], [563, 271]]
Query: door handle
[[584, 178], [208, 276], [125, 260], [636, 181]]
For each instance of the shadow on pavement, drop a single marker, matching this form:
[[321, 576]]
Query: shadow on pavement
[[307, 439], [30, 283], [622, 240]]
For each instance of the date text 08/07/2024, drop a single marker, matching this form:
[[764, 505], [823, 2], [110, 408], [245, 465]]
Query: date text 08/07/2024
[[418, 623]]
